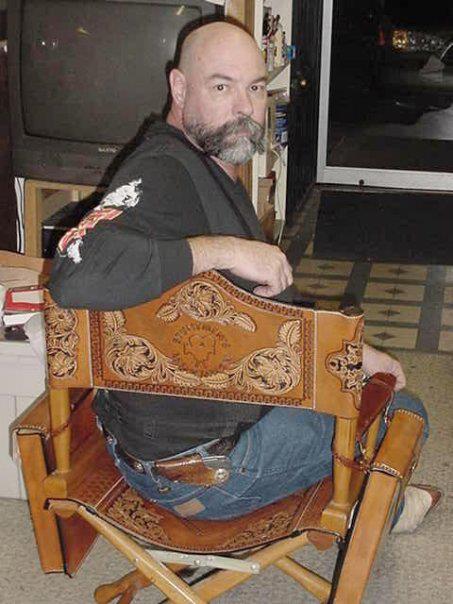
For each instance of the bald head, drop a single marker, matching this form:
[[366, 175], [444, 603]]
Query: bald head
[[218, 37]]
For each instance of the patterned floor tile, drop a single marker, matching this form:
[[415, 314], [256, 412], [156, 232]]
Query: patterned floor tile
[[384, 336], [448, 295], [324, 267], [403, 302], [446, 341], [449, 275], [395, 291], [399, 272], [314, 287], [391, 313], [447, 317]]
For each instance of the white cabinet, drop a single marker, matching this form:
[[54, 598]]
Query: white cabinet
[[22, 380]]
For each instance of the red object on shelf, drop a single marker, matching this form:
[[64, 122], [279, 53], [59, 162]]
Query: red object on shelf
[[23, 299]]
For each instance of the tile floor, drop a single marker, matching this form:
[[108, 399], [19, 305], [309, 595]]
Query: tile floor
[[406, 306]]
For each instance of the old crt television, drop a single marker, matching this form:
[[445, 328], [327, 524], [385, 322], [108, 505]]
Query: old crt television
[[84, 75]]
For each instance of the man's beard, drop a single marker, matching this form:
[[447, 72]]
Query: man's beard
[[225, 143]]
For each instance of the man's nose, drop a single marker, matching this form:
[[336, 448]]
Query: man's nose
[[243, 104]]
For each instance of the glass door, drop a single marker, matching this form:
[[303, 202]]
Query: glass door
[[386, 94]]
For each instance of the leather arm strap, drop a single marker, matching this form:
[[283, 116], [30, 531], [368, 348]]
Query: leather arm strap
[[376, 396]]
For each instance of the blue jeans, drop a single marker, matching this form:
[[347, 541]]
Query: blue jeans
[[287, 450]]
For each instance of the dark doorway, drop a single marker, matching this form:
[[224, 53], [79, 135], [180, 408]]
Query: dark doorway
[[304, 107]]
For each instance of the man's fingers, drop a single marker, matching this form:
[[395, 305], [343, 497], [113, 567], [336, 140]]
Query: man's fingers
[[269, 290], [263, 263], [284, 271], [264, 291], [288, 274]]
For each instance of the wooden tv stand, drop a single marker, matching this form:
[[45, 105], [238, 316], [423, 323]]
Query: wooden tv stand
[[39, 205]]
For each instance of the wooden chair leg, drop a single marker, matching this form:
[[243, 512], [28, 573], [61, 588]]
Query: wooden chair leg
[[127, 596], [162, 576], [371, 525], [133, 581], [311, 581]]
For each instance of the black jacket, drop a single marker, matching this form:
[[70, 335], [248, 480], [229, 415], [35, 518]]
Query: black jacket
[[133, 248]]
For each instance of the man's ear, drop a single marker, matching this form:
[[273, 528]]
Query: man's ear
[[178, 86]]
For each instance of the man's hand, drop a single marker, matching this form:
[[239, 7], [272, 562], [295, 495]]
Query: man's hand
[[256, 261], [375, 361]]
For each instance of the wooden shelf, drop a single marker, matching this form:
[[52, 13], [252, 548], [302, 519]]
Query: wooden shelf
[[37, 207]]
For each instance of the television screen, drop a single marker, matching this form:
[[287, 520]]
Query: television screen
[[92, 71], [84, 76]]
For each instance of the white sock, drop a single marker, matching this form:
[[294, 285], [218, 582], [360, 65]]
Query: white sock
[[416, 505]]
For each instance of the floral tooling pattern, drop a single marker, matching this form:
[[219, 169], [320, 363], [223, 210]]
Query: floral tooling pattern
[[204, 302], [273, 370]]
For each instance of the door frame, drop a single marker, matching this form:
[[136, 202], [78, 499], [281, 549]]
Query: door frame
[[371, 177]]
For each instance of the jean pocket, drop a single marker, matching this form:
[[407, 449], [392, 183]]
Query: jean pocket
[[220, 504]]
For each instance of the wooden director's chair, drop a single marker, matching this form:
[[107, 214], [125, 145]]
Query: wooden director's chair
[[207, 338]]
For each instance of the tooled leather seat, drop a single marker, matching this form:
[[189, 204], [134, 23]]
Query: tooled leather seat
[[284, 355], [107, 493]]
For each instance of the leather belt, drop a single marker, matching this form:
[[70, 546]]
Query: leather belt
[[212, 469]]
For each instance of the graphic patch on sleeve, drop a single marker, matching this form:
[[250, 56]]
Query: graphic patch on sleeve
[[126, 196]]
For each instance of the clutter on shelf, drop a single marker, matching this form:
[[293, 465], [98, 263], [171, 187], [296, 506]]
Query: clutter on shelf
[[276, 51], [21, 303]]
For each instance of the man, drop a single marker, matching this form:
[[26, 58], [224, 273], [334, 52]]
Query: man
[[175, 209]]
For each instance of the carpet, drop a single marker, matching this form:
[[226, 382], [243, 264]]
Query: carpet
[[407, 227]]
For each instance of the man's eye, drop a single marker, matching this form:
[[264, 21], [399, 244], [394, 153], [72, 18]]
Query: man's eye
[[257, 87], [220, 87]]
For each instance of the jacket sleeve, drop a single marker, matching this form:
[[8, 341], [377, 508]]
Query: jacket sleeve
[[132, 246]]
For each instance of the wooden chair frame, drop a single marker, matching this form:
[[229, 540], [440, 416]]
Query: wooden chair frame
[[316, 357]]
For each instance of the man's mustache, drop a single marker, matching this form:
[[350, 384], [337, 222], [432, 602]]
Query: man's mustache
[[217, 141], [243, 124]]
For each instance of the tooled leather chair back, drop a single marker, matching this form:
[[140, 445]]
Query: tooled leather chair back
[[207, 338]]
